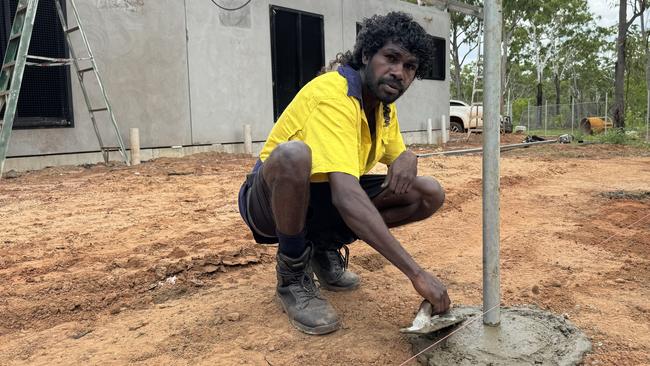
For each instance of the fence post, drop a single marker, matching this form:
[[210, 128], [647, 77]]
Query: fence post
[[429, 132], [573, 101], [528, 117], [606, 112], [545, 116], [647, 120]]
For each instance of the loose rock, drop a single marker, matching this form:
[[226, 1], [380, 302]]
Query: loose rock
[[233, 317], [12, 174]]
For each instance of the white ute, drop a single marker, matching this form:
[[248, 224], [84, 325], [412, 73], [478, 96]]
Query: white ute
[[462, 116]]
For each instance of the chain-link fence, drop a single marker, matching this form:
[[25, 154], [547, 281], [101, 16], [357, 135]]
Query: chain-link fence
[[557, 119]]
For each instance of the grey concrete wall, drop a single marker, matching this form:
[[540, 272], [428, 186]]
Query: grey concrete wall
[[230, 65], [185, 72], [141, 53]]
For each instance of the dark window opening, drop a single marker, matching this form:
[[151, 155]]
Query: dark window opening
[[45, 95], [439, 70], [439, 60], [297, 51]]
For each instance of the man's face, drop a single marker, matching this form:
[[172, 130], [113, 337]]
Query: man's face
[[389, 72]]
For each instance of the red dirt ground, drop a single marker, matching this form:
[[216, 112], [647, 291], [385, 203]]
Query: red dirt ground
[[153, 265]]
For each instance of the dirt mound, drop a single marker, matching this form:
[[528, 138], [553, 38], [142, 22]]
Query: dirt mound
[[152, 264]]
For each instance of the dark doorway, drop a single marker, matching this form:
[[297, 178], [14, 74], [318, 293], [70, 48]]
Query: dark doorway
[[297, 51], [45, 95]]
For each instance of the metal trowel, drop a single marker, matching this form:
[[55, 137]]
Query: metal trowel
[[425, 323]]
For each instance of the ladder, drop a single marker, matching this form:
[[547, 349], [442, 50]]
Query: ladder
[[13, 67], [477, 90]]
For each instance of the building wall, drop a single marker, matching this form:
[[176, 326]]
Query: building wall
[[141, 54], [188, 73]]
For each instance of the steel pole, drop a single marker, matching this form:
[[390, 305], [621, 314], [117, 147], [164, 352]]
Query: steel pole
[[528, 117], [647, 120], [491, 155], [605, 112], [545, 117], [573, 107]]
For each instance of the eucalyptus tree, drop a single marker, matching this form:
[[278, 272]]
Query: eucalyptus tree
[[618, 109], [546, 32], [463, 40], [566, 45]]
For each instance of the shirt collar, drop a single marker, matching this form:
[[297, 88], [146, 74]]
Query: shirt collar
[[354, 82]]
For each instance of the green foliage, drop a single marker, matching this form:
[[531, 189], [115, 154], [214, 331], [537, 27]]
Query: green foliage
[[520, 110], [618, 136], [577, 51]]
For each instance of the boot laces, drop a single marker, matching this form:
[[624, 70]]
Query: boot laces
[[305, 281], [309, 286], [340, 259]]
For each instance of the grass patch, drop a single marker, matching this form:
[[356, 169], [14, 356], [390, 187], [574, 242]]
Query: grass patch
[[632, 137], [627, 195], [620, 137]]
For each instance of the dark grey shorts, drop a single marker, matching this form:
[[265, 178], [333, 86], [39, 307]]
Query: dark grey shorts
[[324, 225]]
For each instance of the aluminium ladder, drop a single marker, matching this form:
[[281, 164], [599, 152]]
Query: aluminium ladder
[[13, 67], [476, 105]]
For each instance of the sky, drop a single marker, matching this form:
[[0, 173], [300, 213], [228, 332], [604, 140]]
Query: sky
[[607, 11]]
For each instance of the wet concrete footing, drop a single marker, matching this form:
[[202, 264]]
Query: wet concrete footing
[[526, 336]]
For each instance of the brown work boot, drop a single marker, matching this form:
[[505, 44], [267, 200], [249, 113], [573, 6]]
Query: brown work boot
[[330, 268], [300, 297]]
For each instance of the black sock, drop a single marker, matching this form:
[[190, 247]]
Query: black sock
[[292, 245]]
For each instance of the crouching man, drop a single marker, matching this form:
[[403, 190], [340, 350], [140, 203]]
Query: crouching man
[[310, 191]]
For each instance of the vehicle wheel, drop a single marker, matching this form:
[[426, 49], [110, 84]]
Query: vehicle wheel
[[456, 127]]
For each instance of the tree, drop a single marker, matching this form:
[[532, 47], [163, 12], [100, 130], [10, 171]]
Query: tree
[[618, 109], [514, 13], [464, 31], [547, 28], [567, 41]]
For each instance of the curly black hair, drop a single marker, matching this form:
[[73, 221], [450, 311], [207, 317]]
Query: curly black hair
[[396, 27]]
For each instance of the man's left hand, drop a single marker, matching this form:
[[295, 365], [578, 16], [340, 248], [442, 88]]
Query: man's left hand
[[402, 173]]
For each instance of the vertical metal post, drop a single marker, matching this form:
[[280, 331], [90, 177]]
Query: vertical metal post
[[429, 132], [647, 119], [509, 108], [528, 117], [573, 107], [545, 116], [491, 156], [605, 112]]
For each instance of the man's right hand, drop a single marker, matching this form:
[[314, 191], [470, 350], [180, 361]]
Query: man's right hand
[[432, 290]]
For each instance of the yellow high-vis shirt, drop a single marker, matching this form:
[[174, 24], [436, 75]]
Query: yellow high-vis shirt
[[327, 115]]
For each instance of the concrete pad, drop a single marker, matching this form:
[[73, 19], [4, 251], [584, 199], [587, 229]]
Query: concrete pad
[[526, 336]]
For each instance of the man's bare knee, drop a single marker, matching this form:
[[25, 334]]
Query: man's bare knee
[[433, 196], [290, 161]]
